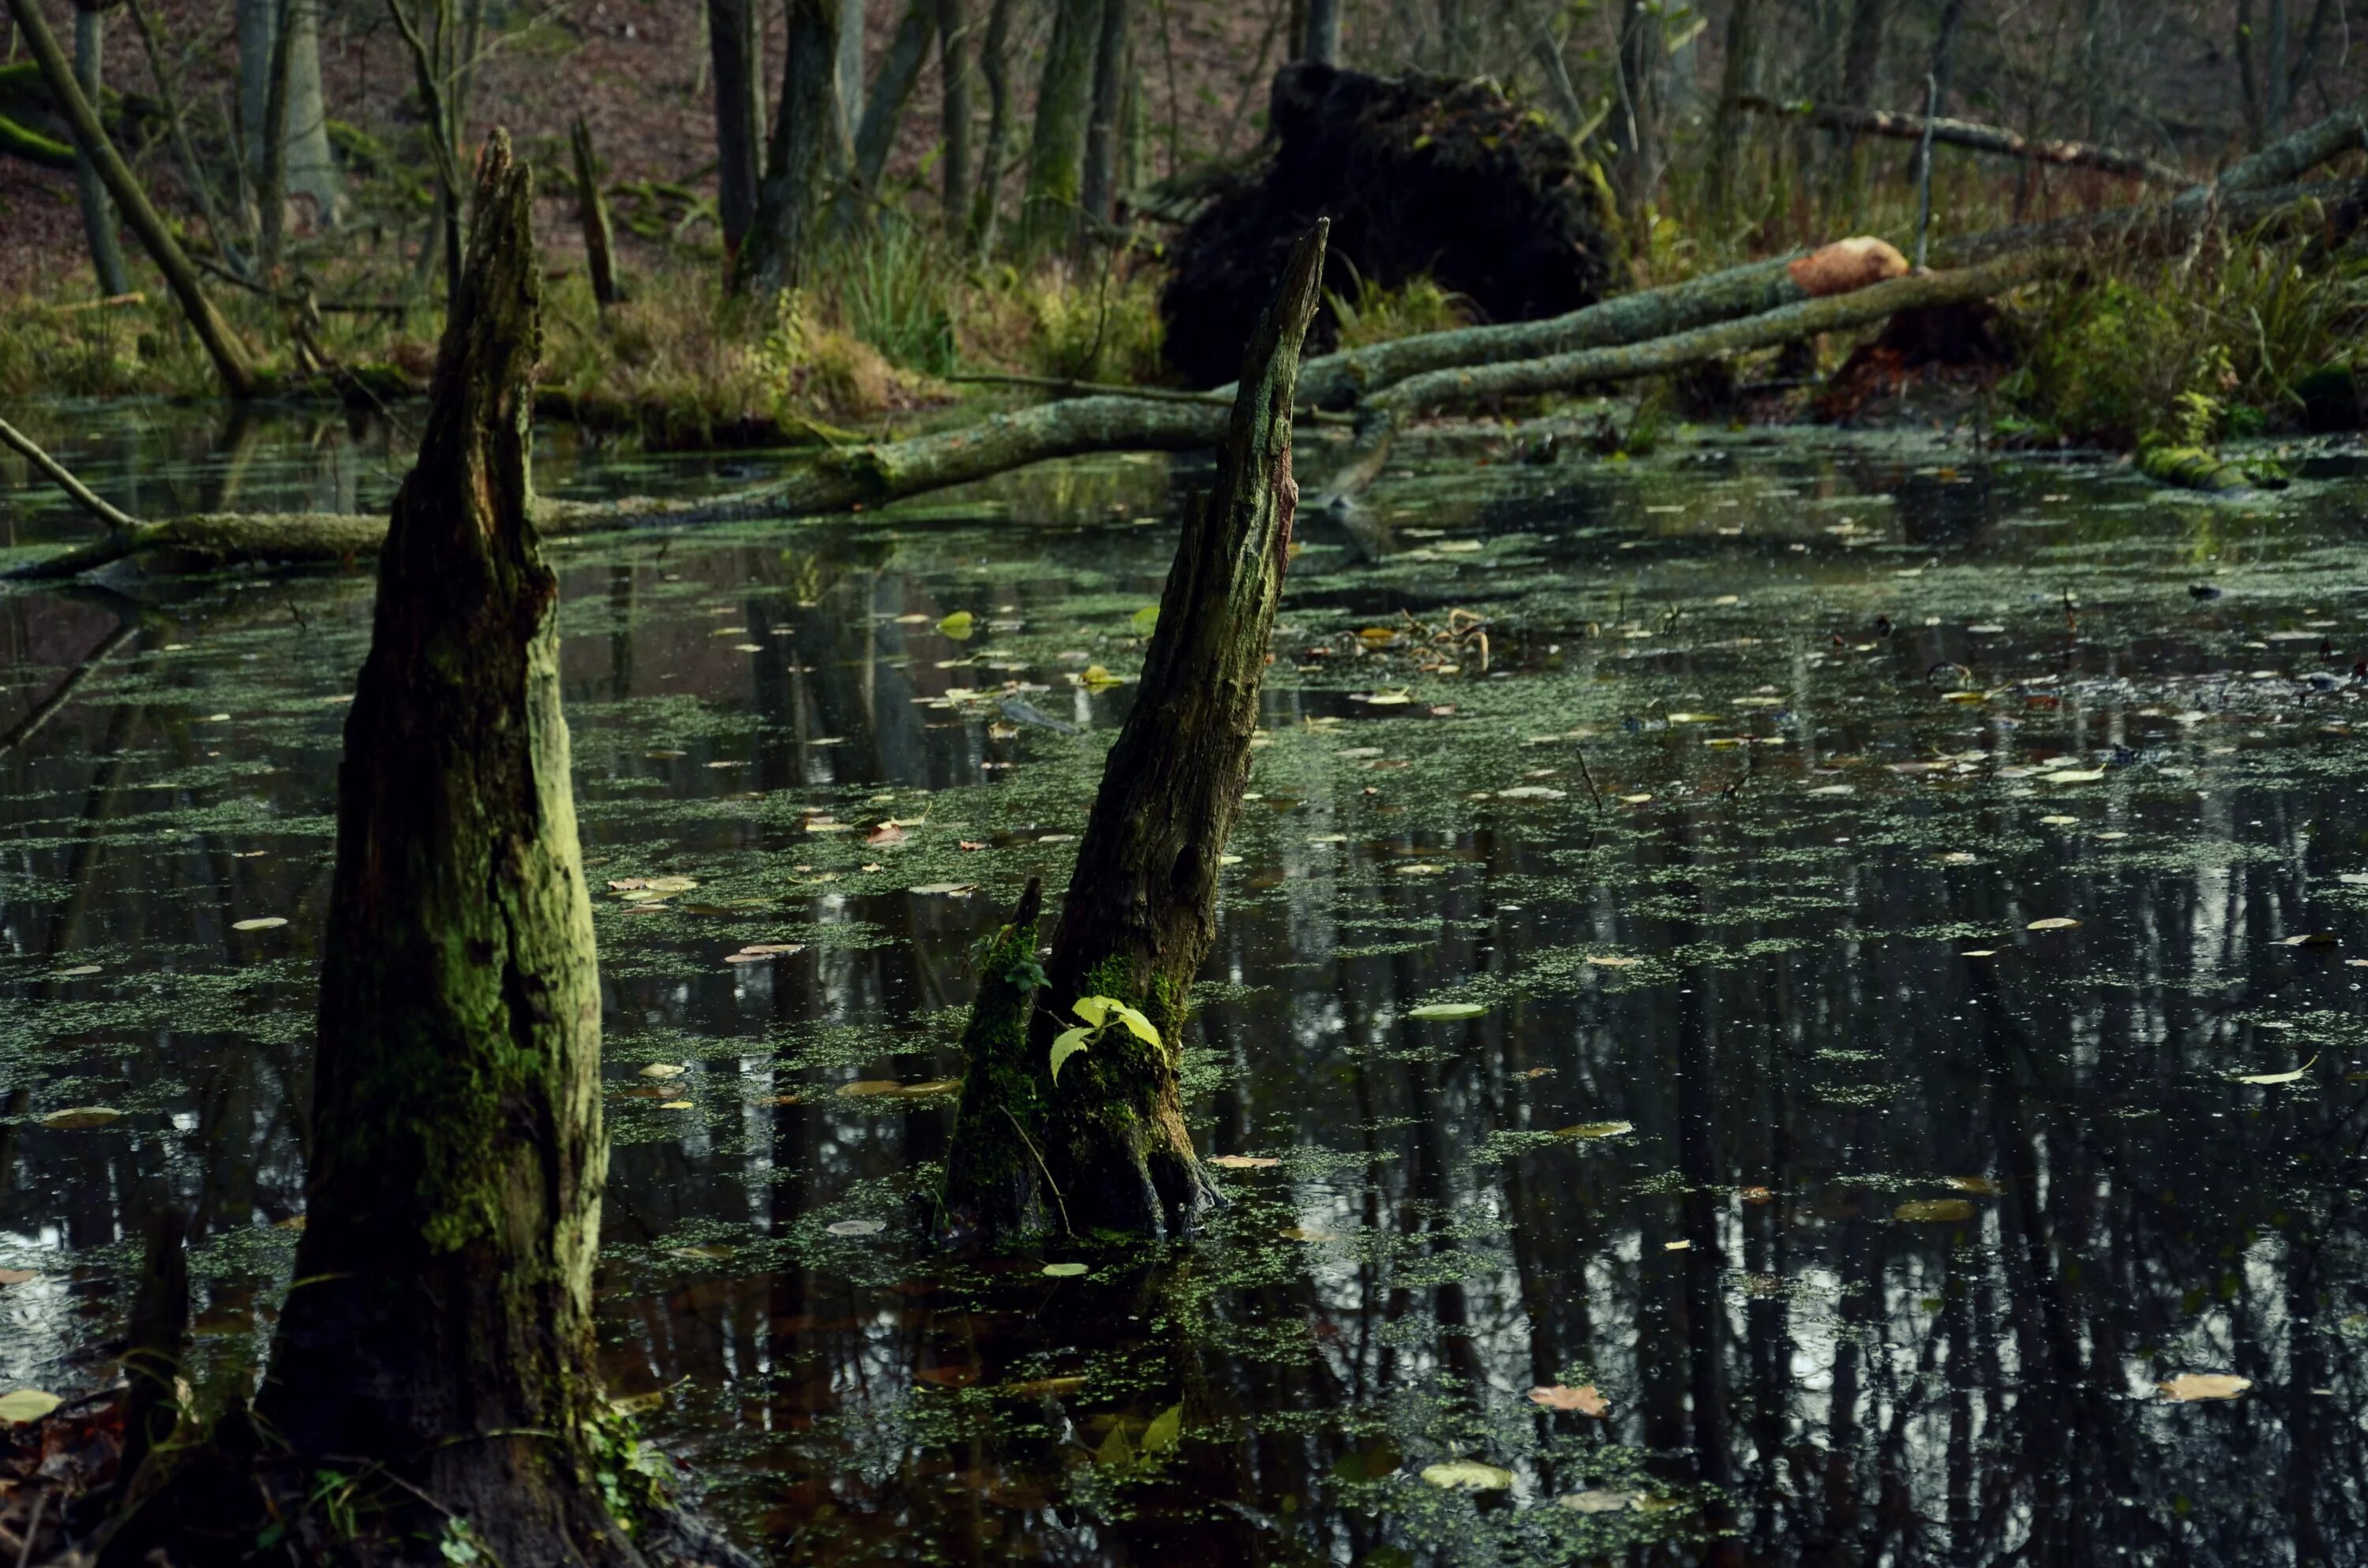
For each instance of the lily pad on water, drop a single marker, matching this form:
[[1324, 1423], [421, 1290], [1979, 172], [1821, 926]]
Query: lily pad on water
[[1467, 1475], [1448, 1010]]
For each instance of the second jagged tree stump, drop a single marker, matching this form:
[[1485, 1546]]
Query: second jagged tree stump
[[1101, 1145]]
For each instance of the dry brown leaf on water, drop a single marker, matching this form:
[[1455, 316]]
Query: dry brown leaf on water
[[19, 1275], [1943, 1210], [1596, 1129], [1585, 1401], [1757, 1195], [886, 833], [2188, 1388]]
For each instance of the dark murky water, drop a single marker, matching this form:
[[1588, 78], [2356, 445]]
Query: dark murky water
[[1877, 1201]]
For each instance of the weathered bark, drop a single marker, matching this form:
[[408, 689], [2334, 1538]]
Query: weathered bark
[[592, 210], [441, 1327], [1319, 43], [736, 47], [994, 66], [1057, 149], [229, 355], [97, 211], [883, 109], [953, 115], [1736, 73], [1108, 1140], [1098, 187], [1964, 133], [806, 146], [1384, 413]]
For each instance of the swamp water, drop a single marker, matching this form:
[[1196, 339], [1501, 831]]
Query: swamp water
[[1775, 935]]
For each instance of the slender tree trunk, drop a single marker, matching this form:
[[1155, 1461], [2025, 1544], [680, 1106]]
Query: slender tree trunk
[[1104, 1145], [847, 68], [1322, 44], [1098, 194], [1641, 73], [1057, 149], [97, 209], [994, 66], [883, 109], [309, 169], [1737, 73], [271, 183], [805, 148], [735, 45], [193, 169], [599, 240], [441, 1327], [953, 119], [222, 345]]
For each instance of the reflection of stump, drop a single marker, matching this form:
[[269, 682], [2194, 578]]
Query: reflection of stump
[[1104, 1146], [1419, 175]]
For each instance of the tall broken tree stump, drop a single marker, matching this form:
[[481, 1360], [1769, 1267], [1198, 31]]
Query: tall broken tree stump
[[1072, 1117]]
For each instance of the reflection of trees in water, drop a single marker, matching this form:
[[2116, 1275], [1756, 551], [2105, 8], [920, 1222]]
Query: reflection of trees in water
[[1865, 1390]]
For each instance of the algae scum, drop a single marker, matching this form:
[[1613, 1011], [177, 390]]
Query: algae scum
[[1764, 948]]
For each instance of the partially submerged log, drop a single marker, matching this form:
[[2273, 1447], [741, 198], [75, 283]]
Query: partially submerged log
[[1990, 139], [440, 1331], [1097, 1128], [1420, 176]]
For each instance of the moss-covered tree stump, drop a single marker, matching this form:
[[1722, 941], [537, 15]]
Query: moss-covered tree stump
[[1100, 1144]]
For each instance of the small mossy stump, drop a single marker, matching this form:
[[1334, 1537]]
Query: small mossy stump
[[1105, 1148], [1421, 176], [436, 1349]]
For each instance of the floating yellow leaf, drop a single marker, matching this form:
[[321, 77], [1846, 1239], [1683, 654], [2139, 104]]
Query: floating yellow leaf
[[1146, 620], [19, 1275], [1978, 953], [1448, 1010], [865, 1087], [1468, 1475], [1980, 1186], [20, 1406], [2277, 1077], [2189, 1387], [664, 1070], [1042, 1388], [1604, 960], [946, 890], [261, 922], [1599, 1501], [1596, 1129], [679, 1105], [1943, 1211], [1063, 1270], [2053, 923], [80, 1119], [1388, 699], [929, 1086], [1245, 1162], [1166, 1430], [2073, 776], [79, 970], [855, 1228], [958, 625]]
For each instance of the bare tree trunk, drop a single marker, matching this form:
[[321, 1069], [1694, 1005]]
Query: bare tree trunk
[[1321, 46], [1990, 139], [954, 120], [805, 148], [1097, 192], [193, 170], [883, 110], [847, 68], [600, 239], [271, 182], [735, 48], [1103, 1144], [994, 66], [98, 210], [1639, 78], [1737, 75], [1057, 150], [309, 168], [222, 345]]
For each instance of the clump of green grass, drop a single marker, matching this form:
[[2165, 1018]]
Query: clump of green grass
[[1378, 315], [2185, 352]]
